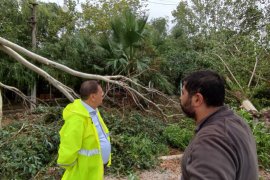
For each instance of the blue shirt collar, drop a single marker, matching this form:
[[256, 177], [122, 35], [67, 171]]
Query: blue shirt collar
[[89, 108]]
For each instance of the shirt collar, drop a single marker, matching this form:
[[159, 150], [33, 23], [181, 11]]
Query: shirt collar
[[89, 108], [203, 121]]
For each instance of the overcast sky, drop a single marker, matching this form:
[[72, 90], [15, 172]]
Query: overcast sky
[[157, 8]]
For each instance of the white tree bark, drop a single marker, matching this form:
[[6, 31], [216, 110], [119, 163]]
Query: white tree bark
[[61, 87], [34, 95], [253, 72], [227, 67], [247, 105], [16, 91]]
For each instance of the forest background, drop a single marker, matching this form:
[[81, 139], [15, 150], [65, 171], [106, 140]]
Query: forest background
[[115, 37]]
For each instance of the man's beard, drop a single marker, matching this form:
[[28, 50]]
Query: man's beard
[[188, 110]]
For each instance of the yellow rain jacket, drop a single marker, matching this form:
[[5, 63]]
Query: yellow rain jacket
[[79, 151]]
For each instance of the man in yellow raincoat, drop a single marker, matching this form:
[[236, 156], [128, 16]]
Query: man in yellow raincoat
[[84, 138]]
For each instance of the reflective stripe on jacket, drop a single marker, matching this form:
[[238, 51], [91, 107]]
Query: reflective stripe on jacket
[[79, 151]]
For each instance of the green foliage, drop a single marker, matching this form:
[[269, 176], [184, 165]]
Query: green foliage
[[50, 114], [179, 136], [133, 177], [27, 148], [135, 152], [17, 76], [123, 44], [261, 96], [181, 62], [262, 135], [225, 36], [211, 16], [77, 51], [158, 81], [98, 14], [137, 141]]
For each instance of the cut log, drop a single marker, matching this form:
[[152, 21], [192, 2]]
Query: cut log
[[247, 105], [178, 156]]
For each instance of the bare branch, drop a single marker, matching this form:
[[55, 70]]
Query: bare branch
[[227, 67], [17, 91], [39, 71], [236, 48], [253, 72]]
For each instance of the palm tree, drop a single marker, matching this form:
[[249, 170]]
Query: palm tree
[[124, 44]]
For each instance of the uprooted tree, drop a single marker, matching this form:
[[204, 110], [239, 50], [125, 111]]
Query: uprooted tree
[[140, 92]]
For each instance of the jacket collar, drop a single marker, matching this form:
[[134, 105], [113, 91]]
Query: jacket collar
[[209, 117]]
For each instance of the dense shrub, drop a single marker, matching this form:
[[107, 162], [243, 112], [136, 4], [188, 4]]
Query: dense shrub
[[135, 152], [178, 137], [137, 141], [261, 96], [26, 148], [262, 136], [179, 134]]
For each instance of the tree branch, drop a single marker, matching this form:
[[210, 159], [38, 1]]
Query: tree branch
[[227, 67], [61, 87], [17, 91], [117, 80], [253, 72]]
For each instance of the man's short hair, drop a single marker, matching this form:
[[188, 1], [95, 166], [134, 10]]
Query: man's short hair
[[87, 88], [210, 84]]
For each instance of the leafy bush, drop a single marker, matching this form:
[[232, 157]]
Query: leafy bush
[[178, 137], [134, 152], [262, 136], [261, 96], [137, 141], [26, 148], [134, 123]]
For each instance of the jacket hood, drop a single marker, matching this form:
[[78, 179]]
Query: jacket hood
[[76, 107]]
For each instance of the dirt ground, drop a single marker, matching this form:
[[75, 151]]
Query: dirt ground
[[170, 170]]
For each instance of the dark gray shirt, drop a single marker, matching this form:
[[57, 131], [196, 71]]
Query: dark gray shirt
[[223, 148]]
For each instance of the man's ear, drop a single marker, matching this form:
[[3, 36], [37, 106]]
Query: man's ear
[[92, 97], [197, 99]]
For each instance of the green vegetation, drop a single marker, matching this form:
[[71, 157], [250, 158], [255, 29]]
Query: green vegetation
[[26, 148], [29, 146], [114, 37], [178, 137], [104, 39], [262, 135], [137, 141]]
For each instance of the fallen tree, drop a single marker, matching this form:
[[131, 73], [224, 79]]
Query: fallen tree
[[240, 95], [141, 93]]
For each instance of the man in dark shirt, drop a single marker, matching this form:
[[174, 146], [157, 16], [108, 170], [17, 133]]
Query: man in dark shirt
[[223, 147]]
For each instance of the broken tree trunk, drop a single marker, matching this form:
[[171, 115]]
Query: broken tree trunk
[[247, 105]]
